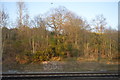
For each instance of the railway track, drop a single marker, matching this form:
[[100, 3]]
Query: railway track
[[62, 74]]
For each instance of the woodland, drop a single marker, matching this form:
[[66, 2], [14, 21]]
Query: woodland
[[57, 35]]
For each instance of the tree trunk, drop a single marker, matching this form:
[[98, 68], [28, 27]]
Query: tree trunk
[[33, 46], [1, 47]]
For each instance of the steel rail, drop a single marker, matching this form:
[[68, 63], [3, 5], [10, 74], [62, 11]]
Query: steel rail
[[63, 74]]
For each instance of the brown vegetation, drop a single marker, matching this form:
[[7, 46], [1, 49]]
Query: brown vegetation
[[58, 35]]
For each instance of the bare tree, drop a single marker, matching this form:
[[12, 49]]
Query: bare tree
[[3, 23], [99, 23], [21, 9], [3, 18]]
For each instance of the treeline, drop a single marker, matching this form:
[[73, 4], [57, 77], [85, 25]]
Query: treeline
[[57, 35]]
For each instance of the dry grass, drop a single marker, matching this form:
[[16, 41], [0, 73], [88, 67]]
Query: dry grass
[[86, 59]]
